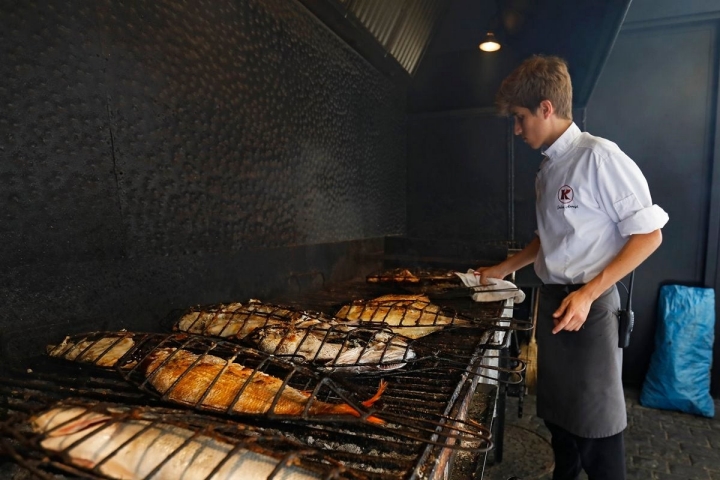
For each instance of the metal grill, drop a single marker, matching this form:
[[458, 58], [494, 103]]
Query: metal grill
[[408, 432]]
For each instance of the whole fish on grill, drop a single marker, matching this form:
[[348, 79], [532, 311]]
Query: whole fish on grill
[[127, 448], [349, 351], [212, 383], [396, 275], [374, 356], [238, 320], [101, 350], [412, 316], [415, 276]]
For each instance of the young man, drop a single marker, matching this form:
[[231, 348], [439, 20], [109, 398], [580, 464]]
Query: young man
[[596, 223]]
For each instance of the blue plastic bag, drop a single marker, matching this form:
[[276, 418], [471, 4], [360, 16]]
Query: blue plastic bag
[[679, 374]]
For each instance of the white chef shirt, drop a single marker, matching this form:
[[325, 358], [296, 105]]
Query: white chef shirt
[[590, 197]]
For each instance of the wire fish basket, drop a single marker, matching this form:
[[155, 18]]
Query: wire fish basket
[[221, 377], [414, 316], [238, 320], [365, 335], [405, 276], [106, 440]]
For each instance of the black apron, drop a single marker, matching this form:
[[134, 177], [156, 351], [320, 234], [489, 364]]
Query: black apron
[[579, 379]]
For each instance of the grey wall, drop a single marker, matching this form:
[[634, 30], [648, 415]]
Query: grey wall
[[155, 155], [657, 98]]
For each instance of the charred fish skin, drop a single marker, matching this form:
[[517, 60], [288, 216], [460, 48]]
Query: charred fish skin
[[132, 449], [212, 383]]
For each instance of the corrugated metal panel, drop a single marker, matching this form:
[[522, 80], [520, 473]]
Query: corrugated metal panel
[[415, 32], [402, 27], [380, 17]]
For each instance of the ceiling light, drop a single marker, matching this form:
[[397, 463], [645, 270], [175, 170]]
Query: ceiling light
[[489, 43]]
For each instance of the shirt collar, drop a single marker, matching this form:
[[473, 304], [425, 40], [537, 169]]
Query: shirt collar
[[563, 143]]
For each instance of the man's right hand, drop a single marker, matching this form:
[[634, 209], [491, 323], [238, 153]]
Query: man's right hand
[[512, 264], [485, 273]]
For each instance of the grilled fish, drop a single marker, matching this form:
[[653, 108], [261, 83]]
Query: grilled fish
[[354, 351], [412, 316], [308, 343], [404, 275], [374, 356], [90, 438], [396, 275], [212, 383], [102, 351], [238, 320]]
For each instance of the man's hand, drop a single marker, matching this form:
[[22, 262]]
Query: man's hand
[[512, 264], [573, 312], [486, 273]]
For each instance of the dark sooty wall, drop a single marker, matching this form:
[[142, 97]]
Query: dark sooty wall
[[458, 180], [160, 154]]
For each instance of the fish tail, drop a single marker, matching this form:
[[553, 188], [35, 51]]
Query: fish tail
[[346, 409], [381, 389], [370, 401]]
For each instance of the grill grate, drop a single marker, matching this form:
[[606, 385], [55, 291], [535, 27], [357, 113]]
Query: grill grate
[[220, 376], [420, 407]]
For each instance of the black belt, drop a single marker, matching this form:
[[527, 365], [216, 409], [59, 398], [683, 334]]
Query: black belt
[[560, 288]]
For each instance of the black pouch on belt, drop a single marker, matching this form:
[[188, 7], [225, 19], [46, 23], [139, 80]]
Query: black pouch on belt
[[626, 318]]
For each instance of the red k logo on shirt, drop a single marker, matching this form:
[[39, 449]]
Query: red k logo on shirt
[[565, 194]]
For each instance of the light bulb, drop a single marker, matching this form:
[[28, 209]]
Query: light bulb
[[489, 44]]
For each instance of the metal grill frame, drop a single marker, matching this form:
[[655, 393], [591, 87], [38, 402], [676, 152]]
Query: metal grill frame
[[433, 459]]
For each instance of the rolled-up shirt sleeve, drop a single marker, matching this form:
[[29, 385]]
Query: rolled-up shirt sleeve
[[625, 194], [646, 220]]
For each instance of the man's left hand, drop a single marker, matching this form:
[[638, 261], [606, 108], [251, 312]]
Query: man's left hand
[[573, 312]]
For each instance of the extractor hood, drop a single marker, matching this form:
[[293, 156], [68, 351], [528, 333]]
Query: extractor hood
[[432, 45]]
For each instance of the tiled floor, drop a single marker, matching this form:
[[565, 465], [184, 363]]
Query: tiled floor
[[660, 445]]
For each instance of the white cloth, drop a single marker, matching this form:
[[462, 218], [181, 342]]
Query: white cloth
[[498, 290], [590, 197]]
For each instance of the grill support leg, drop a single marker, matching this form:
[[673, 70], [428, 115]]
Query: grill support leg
[[498, 428]]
